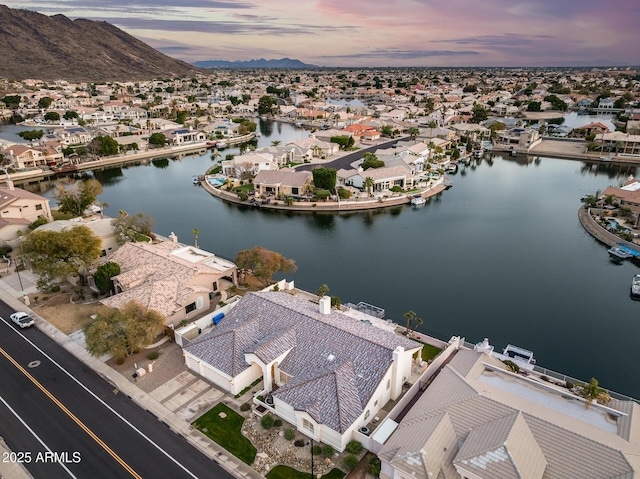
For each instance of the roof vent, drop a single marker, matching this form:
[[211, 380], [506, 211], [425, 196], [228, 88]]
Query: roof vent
[[325, 305], [331, 357]]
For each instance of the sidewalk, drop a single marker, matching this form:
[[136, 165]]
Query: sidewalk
[[231, 464]]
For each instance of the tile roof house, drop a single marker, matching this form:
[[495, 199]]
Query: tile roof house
[[478, 420], [177, 280], [18, 209], [282, 182], [325, 371]]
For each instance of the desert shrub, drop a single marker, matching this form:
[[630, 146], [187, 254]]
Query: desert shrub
[[328, 450], [298, 443], [267, 421], [316, 449], [544, 378], [153, 355], [120, 360], [353, 447], [350, 461], [289, 434], [344, 194], [55, 288], [277, 423], [569, 385], [374, 466], [245, 407]]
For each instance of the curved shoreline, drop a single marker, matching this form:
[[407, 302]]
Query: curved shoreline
[[329, 206], [599, 233]]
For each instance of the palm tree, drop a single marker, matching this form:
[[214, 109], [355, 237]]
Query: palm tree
[[275, 142], [195, 234], [419, 322], [593, 391], [369, 183], [102, 206], [409, 316]]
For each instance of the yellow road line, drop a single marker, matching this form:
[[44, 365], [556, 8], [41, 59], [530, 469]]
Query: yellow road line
[[93, 436]]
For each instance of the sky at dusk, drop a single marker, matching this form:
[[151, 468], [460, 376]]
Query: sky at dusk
[[362, 33]]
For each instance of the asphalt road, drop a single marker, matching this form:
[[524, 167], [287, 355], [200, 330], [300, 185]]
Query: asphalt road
[[346, 160], [101, 435]]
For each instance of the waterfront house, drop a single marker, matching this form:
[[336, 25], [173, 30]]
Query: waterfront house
[[627, 195], [18, 209], [326, 371], [177, 280], [619, 142], [181, 136], [101, 227], [315, 147], [247, 165], [595, 127], [282, 182], [478, 420], [24, 156]]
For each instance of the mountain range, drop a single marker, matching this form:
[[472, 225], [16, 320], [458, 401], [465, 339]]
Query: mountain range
[[283, 63], [44, 47]]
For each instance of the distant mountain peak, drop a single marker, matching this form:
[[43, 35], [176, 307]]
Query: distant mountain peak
[[282, 63], [33, 45]]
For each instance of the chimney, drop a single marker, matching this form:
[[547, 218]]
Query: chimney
[[173, 238], [325, 305]]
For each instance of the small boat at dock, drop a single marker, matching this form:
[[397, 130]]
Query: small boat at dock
[[635, 287], [418, 200], [619, 253]]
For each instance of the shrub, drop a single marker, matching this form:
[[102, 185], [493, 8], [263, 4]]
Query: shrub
[[55, 288], [511, 366], [277, 423], [120, 360], [243, 196], [298, 443], [396, 189], [569, 385], [544, 378], [354, 447], [316, 449], [327, 450], [267, 421], [344, 194], [350, 461], [289, 434], [153, 355], [374, 466], [245, 406]]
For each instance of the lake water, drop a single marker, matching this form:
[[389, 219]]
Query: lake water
[[500, 255]]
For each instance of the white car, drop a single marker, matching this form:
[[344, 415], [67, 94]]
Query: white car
[[22, 319]]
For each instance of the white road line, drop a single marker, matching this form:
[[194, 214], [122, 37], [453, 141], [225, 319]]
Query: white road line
[[36, 436], [149, 440]]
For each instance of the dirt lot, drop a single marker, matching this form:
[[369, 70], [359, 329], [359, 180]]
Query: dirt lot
[[62, 313]]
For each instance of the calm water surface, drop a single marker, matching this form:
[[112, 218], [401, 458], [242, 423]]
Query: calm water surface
[[500, 255]]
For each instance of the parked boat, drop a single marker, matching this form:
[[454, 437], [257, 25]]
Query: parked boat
[[617, 252], [606, 159], [418, 200], [478, 153], [452, 168], [635, 287]]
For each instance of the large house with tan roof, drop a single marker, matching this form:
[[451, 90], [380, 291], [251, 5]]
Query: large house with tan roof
[[326, 371], [477, 420], [18, 209], [178, 281]]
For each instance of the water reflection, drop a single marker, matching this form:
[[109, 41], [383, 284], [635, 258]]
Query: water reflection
[[324, 221], [266, 127], [161, 163]]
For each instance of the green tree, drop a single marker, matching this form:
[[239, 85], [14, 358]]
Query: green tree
[[556, 102], [534, 106], [345, 141], [75, 196], [371, 161], [593, 392], [58, 254], [324, 178], [322, 290], [267, 105], [45, 102], [30, 135], [195, 237], [386, 130], [264, 263], [69, 115], [122, 331], [103, 275], [132, 228], [479, 113], [12, 101], [157, 139], [52, 116], [104, 146]]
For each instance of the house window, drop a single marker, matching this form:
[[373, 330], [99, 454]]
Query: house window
[[307, 425], [190, 307], [294, 191]]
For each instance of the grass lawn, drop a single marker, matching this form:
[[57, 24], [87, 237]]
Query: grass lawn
[[227, 432], [286, 472], [428, 351], [57, 215], [248, 187]]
